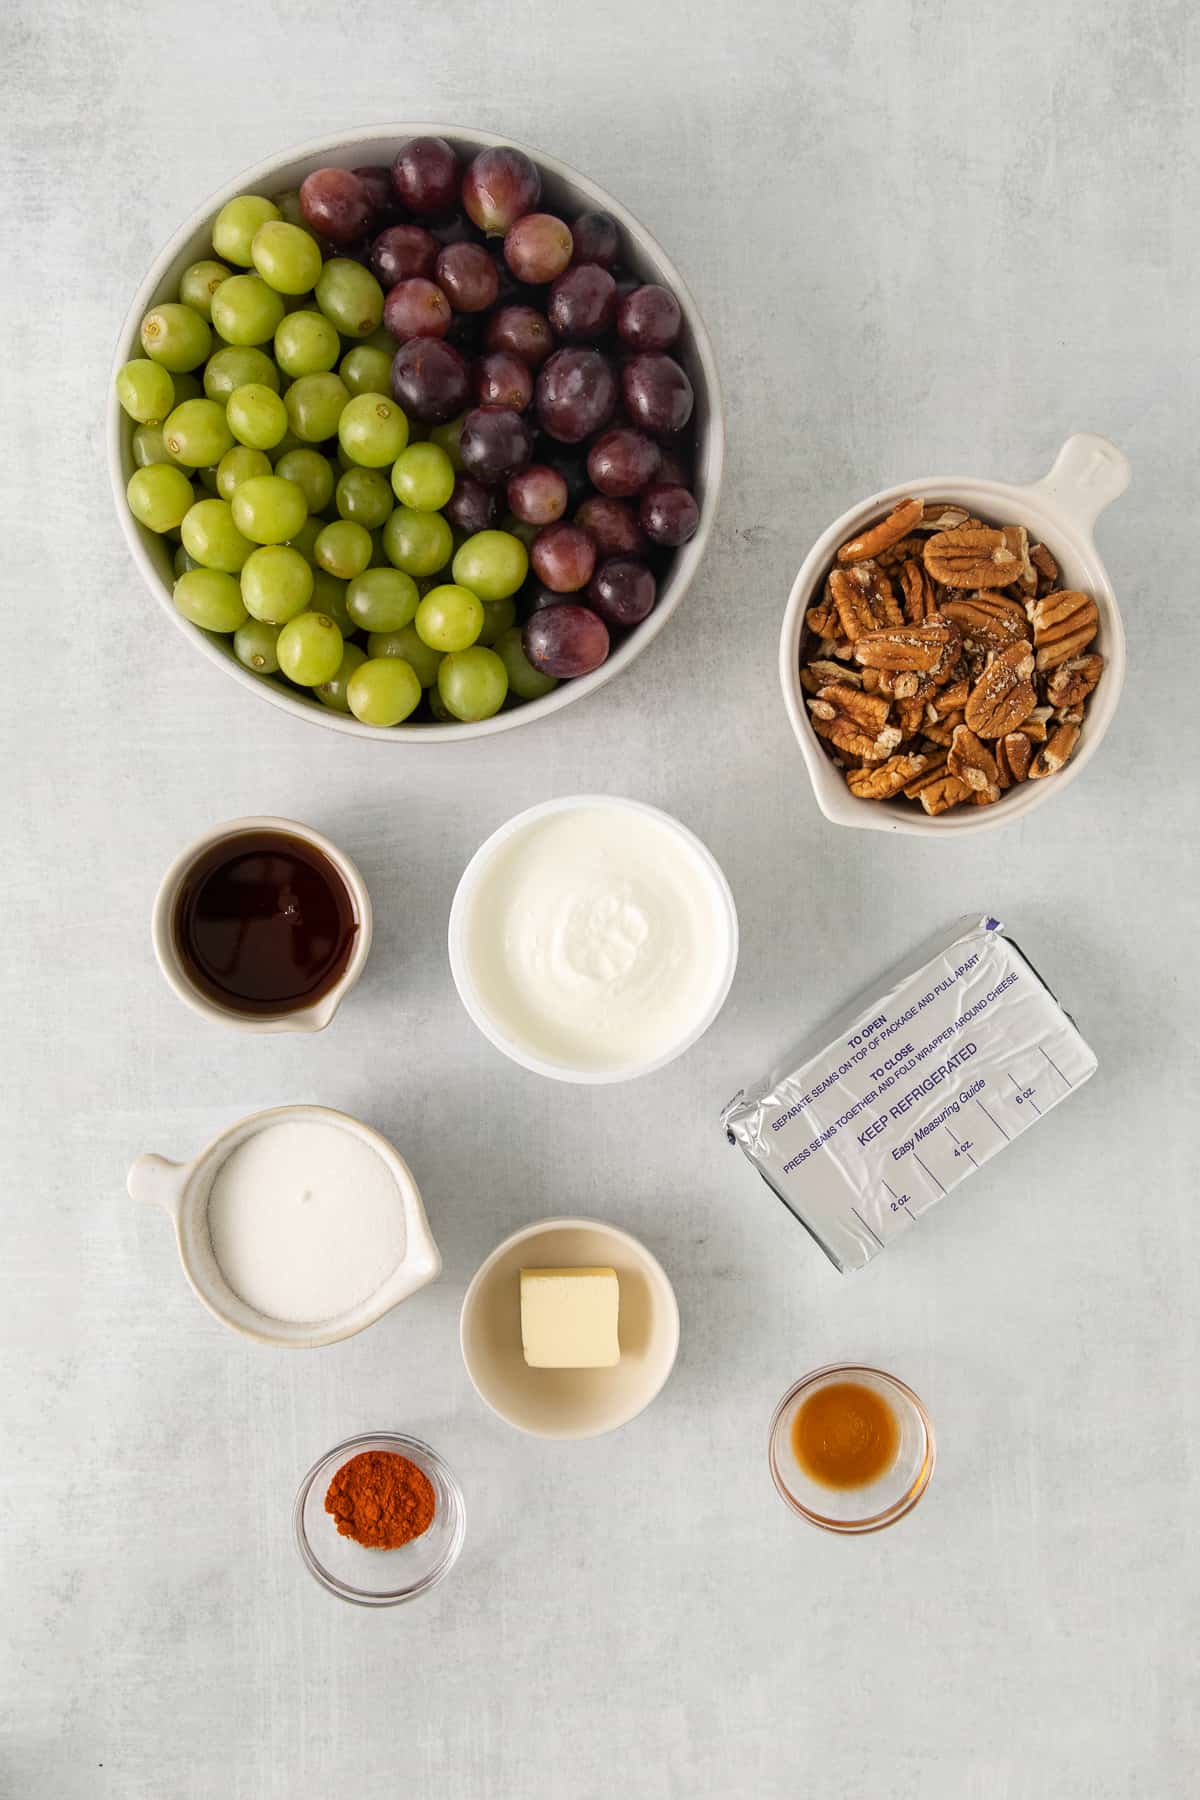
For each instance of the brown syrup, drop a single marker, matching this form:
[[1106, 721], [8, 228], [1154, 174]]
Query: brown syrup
[[845, 1435], [264, 923]]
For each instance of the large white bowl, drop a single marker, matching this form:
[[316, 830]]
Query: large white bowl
[[563, 188], [1060, 511]]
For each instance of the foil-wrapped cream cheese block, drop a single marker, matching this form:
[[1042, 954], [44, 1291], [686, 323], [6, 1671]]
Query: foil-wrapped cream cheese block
[[912, 1093]]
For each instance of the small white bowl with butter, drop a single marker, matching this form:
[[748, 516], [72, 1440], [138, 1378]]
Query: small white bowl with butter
[[512, 1350], [593, 939]]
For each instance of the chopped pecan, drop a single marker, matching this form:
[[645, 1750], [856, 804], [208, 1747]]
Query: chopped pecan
[[1064, 623], [898, 524], [822, 620], [930, 649], [907, 548], [1044, 567], [1072, 681], [940, 795], [1055, 752], [1014, 752], [952, 698], [1004, 695], [942, 515], [864, 600], [820, 672], [940, 731], [920, 600], [934, 770], [885, 779], [856, 723], [1037, 726], [910, 715], [987, 621], [976, 556], [973, 763]]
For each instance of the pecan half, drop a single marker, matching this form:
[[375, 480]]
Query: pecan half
[[885, 779], [934, 770], [821, 619], [864, 600], [1044, 567], [950, 699], [820, 672], [975, 556], [1072, 681], [920, 600], [930, 649], [942, 794], [987, 621], [898, 524], [1064, 623], [854, 722], [942, 515], [973, 763], [1055, 752], [910, 715], [1014, 753], [941, 731], [1004, 695], [1037, 726]]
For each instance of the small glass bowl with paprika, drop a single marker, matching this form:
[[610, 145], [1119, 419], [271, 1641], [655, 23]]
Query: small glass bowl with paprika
[[379, 1519]]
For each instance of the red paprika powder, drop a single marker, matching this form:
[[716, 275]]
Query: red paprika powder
[[380, 1499]]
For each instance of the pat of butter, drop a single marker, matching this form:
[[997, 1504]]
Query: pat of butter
[[569, 1318]]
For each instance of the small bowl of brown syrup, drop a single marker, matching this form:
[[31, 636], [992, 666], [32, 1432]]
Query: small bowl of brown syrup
[[851, 1448], [263, 924]]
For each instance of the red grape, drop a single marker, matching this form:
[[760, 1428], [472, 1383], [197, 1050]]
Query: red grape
[[457, 229], [596, 239], [622, 591], [499, 187], [563, 557], [467, 276], [521, 330], [538, 247], [401, 252], [612, 526], [471, 507], [668, 515], [576, 394], [583, 304], [565, 640], [675, 469], [649, 318], [623, 462], [430, 380], [377, 180], [502, 379], [535, 596], [494, 443], [336, 204], [425, 177], [657, 393], [537, 495], [416, 308]]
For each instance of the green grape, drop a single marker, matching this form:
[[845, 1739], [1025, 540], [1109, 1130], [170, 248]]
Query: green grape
[[379, 556], [423, 477], [210, 599], [364, 495], [208, 480], [235, 366], [344, 549], [329, 597], [286, 256], [254, 646], [159, 496], [365, 369], [306, 344], [235, 225], [310, 649], [145, 390], [187, 387], [181, 562], [332, 693], [305, 541], [519, 529], [526, 682], [289, 206], [382, 339], [238, 465], [419, 543], [350, 296], [473, 683], [437, 705], [149, 448], [269, 510], [210, 535], [198, 284], [493, 564], [446, 438], [277, 584], [176, 336], [498, 615], [372, 430], [383, 690], [382, 599], [314, 406], [312, 473], [449, 618], [256, 415], [246, 311], [197, 433], [406, 644]]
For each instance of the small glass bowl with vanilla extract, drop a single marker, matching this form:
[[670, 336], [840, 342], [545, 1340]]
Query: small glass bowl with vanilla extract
[[851, 1449]]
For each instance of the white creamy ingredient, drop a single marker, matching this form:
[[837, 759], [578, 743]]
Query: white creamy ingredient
[[305, 1220], [596, 938]]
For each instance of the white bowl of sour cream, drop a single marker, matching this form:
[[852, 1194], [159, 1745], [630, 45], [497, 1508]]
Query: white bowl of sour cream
[[593, 939]]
